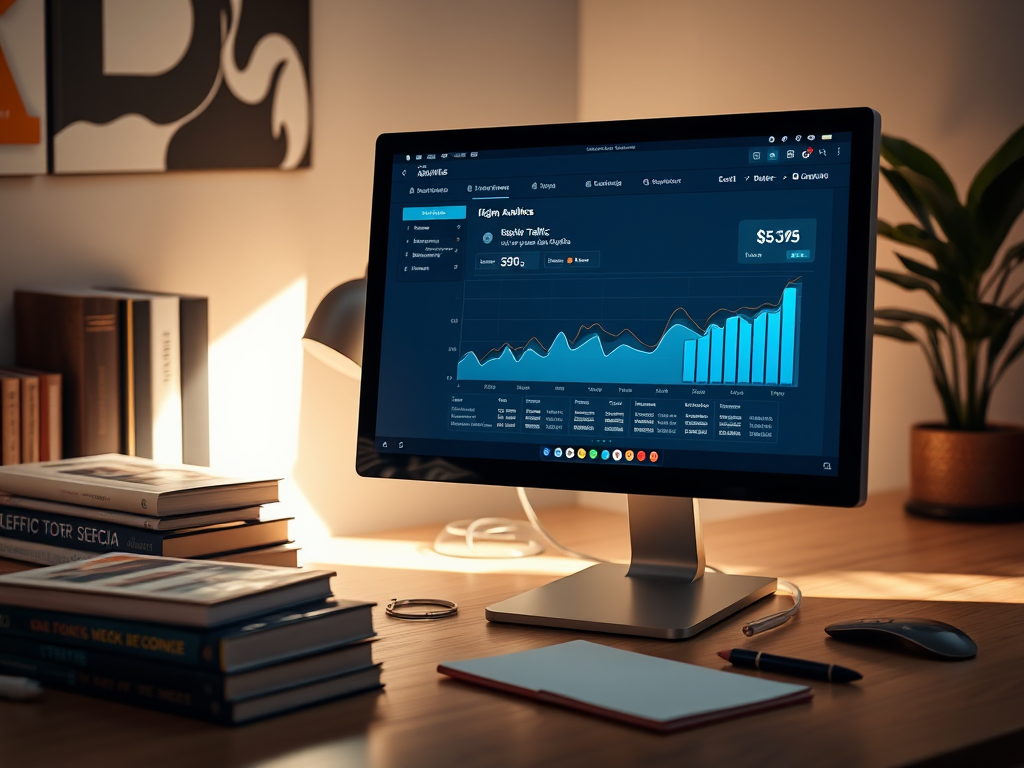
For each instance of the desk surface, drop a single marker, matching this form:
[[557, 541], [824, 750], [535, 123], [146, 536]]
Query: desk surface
[[872, 561]]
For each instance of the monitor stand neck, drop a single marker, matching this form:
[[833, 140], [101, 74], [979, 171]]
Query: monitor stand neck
[[665, 538], [663, 592]]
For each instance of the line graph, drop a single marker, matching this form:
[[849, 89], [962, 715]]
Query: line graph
[[756, 345]]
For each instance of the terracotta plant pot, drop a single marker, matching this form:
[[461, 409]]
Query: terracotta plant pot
[[973, 476]]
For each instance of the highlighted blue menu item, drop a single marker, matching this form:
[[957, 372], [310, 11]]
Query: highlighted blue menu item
[[434, 212]]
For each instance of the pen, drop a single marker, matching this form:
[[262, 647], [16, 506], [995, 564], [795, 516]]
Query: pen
[[786, 666], [18, 688]]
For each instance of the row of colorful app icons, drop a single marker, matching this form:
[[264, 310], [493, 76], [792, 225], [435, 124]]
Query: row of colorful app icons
[[600, 454]]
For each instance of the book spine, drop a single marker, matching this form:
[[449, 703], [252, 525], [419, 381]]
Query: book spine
[[78, 511], [29, 419], [50, 430], [10, 420], [139, 354], [170, 692], [126, 356], [165, 378], [39, 554], [157, 642], [77, 337], [195, 380], [102, 376], [67, 490], [77, 533]]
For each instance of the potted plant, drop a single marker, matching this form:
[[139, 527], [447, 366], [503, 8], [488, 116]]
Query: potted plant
[[965, 468]]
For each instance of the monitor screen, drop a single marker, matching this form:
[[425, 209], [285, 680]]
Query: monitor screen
[[675, 306]]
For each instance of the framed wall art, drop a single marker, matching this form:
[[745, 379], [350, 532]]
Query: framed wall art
[[22, 87], [160, 85]]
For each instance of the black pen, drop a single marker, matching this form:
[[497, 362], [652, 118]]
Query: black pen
[[787, 666]]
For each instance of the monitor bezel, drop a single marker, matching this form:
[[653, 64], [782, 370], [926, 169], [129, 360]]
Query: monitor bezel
[[848, 487]]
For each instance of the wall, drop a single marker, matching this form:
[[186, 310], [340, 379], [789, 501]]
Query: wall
[[946, 75], [266, 246]]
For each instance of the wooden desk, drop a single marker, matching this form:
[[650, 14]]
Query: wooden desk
[[851, 563]]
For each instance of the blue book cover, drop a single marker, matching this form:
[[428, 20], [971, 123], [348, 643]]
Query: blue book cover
[[193, 693], [241, 646], [87, 535]]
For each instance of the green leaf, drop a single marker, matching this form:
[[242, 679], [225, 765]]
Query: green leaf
[[956, 222], [983, 321], [913, 235], [1002, 334], [908, 282], [1013, 354], [906, 316], [900, 152], [950, 283], [893, 332], [1011, 151], [911, 283], [910, 197], [920, 269], [1000, 204]]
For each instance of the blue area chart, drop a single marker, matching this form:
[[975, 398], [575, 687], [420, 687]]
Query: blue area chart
[[758, 348]]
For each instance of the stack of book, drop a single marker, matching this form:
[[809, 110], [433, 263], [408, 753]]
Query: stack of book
[[62, 511], [30, 416], [219, 641], [135, 368]]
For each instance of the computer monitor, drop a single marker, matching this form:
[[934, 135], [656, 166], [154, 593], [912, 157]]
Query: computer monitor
[[669, 308]]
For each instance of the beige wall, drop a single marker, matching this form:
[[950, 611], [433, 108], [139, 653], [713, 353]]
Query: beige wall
[[946, 75], [266, 246]]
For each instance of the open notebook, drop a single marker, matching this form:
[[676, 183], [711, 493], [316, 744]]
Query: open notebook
[[660, 694]]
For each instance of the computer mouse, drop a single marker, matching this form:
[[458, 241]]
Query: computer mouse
[[934, 638]]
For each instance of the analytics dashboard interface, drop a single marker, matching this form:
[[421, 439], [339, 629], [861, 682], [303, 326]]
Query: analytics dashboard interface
[[659, 304]]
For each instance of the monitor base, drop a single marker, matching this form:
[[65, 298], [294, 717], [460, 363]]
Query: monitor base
[[603, 598]]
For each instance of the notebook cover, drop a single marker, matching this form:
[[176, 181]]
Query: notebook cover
[[654, 693]]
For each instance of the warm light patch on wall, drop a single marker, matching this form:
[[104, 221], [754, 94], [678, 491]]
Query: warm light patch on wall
[[255, 393], [418, 555]]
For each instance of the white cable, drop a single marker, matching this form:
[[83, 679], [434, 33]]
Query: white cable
[[776, 619], [535, 522], [753, 628]]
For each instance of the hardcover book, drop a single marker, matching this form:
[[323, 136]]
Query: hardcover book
[[76, 335], [170, 523], [38, 553], [96, 536], [283, 555], [151, 375], [28, 385], [50, 431], [134, 484], [176, 695], [250, 644], [200, 683], [190, 593], [193, 335], [10, 420]]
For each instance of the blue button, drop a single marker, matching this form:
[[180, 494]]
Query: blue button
[[435, 212], [773, 155], [804, 255]]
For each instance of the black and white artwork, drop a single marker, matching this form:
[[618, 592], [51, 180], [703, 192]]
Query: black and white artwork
[[159, 85]]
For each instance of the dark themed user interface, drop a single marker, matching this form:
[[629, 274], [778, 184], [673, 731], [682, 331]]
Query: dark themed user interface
[[668, 304]]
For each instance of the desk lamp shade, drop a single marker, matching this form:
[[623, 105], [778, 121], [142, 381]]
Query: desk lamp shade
[[335, 332]]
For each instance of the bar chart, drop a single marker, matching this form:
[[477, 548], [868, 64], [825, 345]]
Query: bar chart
[[756, 346], [757, 350]]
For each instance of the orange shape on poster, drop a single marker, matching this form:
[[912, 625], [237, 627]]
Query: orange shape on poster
[[16, 125]]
